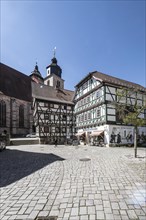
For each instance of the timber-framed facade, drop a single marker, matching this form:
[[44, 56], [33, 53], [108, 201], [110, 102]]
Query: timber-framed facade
[[53, 119], [53, 107], [95, 110]]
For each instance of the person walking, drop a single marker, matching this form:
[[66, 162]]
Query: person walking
[[119, 138], [56, 142]]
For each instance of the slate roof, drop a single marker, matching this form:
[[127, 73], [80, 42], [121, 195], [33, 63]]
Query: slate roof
[[14, 83], [48, 93], [111, 80]]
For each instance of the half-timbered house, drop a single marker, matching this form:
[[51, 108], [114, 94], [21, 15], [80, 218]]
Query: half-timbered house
[[96, 116], [53, 107]]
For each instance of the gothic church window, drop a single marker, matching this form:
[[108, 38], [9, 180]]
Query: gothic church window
[[2, 114], [21, 116]]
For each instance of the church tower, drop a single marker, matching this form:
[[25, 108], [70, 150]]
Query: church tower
[[53, 68], [36, 75], [54, 75]]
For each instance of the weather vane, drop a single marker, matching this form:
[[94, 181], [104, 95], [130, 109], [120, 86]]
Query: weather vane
[[54, 51]]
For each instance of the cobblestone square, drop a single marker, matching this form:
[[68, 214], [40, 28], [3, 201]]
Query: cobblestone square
[[43, 180]]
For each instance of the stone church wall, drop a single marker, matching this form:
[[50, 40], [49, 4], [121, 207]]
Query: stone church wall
[[12, 116]]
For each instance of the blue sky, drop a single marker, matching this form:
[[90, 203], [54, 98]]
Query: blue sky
[[107, 36]]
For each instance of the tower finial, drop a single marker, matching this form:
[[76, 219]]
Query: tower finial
[[54, 51]]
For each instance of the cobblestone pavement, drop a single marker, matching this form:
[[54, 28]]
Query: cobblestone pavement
[[42, 180]]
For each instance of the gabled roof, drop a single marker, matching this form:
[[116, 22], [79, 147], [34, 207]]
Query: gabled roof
[[111, 80], [49, 93], [14, 83]]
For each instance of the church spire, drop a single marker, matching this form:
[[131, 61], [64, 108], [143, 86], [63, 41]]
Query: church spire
[[36, 75], [54, 51], [53, 68]]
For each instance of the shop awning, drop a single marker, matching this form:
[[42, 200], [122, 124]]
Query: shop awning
[[96, 133], [80, 133]]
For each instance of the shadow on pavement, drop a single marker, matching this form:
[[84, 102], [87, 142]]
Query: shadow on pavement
[[16, 164]]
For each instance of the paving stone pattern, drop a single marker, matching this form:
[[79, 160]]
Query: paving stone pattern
[[42, 181]]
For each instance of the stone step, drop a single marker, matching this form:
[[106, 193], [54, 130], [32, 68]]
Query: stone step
[[24, 141]]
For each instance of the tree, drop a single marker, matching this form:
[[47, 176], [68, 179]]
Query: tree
[[131, 106]]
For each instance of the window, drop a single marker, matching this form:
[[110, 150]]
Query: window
[[57, 129], [64, 107], [48, 83], [51, 105], [64, 117], [21, 116], [46, 129], [93, 95], [98, 94], [46, 104], [63, 130], [82, 117], [89, 115], [98, 112], [79, 118], [46, 116], [85, 85], [145, 113], [88, 99], [2, 114], [85, 116], [58, 84]]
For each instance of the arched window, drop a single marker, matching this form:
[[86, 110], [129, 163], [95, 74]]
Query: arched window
[[2, 114], [21, 116]]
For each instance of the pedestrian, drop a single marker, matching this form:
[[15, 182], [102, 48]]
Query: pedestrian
[[113, 137], [55, 142], [119, 138]]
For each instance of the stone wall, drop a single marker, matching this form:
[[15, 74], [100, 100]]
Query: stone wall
[[12, 116]]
